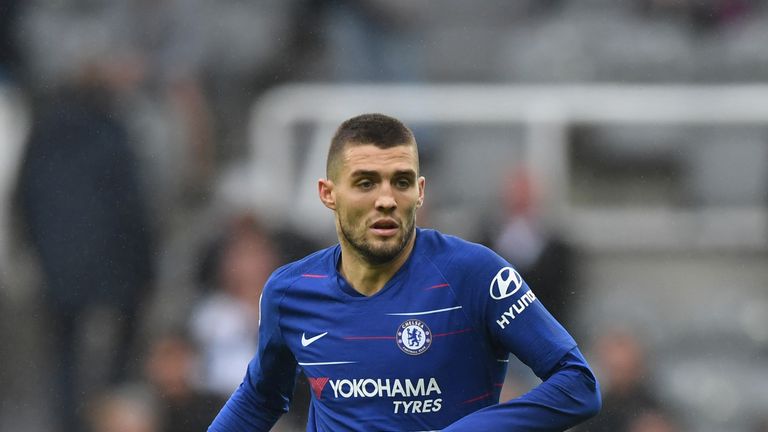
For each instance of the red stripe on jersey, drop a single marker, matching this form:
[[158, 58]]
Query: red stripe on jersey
[[452, 333], [315, 276], [475, 399], [369, 337]]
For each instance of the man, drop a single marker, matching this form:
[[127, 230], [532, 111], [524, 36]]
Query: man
[[86, 216], [399, 328]]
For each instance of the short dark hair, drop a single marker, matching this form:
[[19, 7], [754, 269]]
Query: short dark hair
[[378, 129]]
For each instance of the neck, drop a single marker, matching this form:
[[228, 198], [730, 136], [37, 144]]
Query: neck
[[367, 278]]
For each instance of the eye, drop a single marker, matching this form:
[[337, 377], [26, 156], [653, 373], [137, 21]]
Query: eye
[[402, 183], [365, 184]]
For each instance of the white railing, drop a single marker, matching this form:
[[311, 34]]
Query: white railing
[[284, 190]]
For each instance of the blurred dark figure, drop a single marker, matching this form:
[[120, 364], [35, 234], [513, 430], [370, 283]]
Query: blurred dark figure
[[9, 50], [123, 409], [171, 367], [629, 404], [167, 107], [85, 213], [541, 255]]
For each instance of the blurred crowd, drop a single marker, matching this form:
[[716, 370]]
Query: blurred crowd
[[141, 284]]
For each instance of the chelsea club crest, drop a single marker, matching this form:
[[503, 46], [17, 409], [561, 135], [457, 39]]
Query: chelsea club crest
[[414, 337]]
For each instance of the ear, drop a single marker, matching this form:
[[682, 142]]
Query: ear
[[325, 190], [422, 182]]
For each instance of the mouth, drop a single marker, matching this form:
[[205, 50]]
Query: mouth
[[385, 227]]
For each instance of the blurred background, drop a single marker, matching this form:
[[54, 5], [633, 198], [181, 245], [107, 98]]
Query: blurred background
[[159, 158]]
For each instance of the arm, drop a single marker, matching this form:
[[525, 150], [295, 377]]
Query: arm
[[516, 322], [264, 394], [565, 398]]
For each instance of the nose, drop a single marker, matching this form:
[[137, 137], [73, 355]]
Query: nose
[[386, 201]]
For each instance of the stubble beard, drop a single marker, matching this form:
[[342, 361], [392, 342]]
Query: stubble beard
[[381, 254]]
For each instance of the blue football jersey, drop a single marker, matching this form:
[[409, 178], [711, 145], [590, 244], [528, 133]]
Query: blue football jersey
[[427, 352]]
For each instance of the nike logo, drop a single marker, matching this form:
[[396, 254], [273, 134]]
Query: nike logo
[[307, 342]]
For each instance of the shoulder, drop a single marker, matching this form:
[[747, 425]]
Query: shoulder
[[469, 269], [454, 254], [286, 276]]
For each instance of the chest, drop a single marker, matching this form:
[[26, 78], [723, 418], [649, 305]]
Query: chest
[[416, 350], [414, 328]]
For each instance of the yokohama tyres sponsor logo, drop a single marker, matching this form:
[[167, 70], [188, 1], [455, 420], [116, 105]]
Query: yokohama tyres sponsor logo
[[418, 390]]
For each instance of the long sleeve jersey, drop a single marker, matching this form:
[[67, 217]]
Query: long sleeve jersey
[[428, 352]]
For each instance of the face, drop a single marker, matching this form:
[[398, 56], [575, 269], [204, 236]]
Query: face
[[375, 196], [246, 264]]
